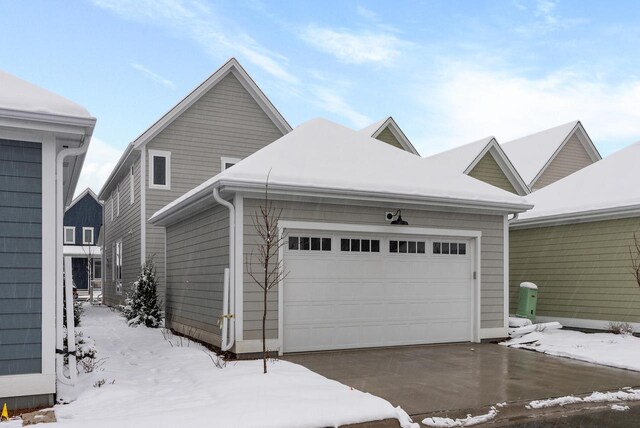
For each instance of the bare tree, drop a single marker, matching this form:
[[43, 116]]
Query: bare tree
[[265, 221], [634, 255]]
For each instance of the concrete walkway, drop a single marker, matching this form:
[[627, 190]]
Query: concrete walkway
[[424, 379]]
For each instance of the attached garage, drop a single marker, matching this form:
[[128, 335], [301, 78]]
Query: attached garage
[[356, 290]]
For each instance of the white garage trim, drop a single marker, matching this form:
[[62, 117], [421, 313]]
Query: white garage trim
[[395, 230]]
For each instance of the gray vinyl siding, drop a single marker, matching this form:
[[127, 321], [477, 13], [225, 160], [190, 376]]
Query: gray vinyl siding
[[387, 136], [492, 264], [197, 254], [571, 158], [20, 257], [582, 270], [125, 227], [226, 121]]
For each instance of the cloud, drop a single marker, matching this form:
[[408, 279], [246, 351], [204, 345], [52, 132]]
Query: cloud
[[546, 19], [153, 76], [197, 21], [331, 101], [472, 103], [100, 161], [354, 47]]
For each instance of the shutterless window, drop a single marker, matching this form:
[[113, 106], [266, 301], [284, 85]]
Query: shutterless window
[[97, 269], [119, 262], [87, 235], [309, 243], [228, 162], [118, 203], [160, 169], [454, 248], [358, 245], [407, 247], [131, 186], [69, 235]]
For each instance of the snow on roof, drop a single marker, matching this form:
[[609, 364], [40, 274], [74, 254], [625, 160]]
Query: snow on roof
[[320, 155], [608, 184], [531, 153], [459, 158], [371, 129], [376, 129], [19, 95]]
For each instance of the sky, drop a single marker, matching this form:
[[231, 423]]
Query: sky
[[448, 72]]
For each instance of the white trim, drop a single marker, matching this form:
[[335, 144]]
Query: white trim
[[505, 165], [396, 230], [397, 133], [84, 242], [118, 201], [132, 186], [28, 384], [49, 262], [255, 345], [143, 207], [160, 154], [81, 251], [505, 255], [613, 213], [584, 323], [82, 195], [239, 267], [494, 333], [226, 159], [64, 239]]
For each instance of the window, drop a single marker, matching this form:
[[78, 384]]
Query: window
[[118, 202], [360, 245], [407, 247], [97, 269], [118, 267], [159, 169], [306, 243], [131, 186], [69, 235], [227, 162], [87, 235], [455, 248], [112, 208]]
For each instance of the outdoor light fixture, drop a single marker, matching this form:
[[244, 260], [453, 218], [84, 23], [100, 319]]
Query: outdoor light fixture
[[399, 219]]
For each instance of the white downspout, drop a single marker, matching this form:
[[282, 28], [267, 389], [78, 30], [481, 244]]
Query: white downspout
[[515, 217], [71, 338], [228, 294]]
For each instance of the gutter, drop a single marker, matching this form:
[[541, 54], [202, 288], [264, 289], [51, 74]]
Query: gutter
[[578, 217], [228, 294]]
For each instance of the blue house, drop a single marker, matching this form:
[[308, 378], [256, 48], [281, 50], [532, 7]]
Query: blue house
[[82, 228]]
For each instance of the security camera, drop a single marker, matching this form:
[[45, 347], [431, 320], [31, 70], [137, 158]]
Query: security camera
[[388, 216]]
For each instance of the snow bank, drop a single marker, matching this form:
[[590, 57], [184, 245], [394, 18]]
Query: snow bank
[[464, 422], [596, 397], [607, 349], [150, 382], [515, 322], [531, 328]]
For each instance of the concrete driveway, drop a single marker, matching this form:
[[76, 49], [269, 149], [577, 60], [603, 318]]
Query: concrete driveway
[[424, 379]]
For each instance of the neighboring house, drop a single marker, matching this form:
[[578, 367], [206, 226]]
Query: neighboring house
[[547, 156], [576, 244], [82, 226], [355, 279], [225, 119], [485, 160], [43, 141], [387, 130]]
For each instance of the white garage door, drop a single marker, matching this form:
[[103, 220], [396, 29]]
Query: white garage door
[[357, 290]]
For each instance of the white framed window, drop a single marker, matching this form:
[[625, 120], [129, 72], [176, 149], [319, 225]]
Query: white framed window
[[228, 162], [408, 247], [159, 169], [69, 235], [87, 235], [97, 269], [118, 203], [360, 245], [455, 248], [118, 266], [131, 186], [112, 207]]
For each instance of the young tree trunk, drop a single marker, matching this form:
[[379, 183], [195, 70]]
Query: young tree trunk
[[264, 331]]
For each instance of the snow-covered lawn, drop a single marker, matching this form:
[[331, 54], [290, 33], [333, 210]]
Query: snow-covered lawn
[[607, 349], [145, 381]]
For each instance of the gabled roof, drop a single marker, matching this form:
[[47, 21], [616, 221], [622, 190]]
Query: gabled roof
[[376, 129], [531, 155], [466, 157], [84, 193], [604, 188], [231, 66], [322, 158]]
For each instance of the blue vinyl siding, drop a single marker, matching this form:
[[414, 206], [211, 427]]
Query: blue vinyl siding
[[20, 257]]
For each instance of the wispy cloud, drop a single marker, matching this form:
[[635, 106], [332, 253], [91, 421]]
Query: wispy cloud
[[199, 22], [354, 47], [546, 18], [333, 102], [153, 76], [100, 161]]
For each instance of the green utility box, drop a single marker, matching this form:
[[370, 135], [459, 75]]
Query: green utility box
[[527, 300]]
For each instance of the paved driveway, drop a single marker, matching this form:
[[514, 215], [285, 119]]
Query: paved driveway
[[423, 379]]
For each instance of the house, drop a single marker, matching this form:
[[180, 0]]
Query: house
[[355, 277], [484, 160], [225, 119], [547, 156], [387, 130], [82, 226], [576, 244], [43, 141]]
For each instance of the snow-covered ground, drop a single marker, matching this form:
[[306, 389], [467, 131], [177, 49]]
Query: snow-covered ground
[[461, 422], [626, 394], [145, 380], [607, 349]]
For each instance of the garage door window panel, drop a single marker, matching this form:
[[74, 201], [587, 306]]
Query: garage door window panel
[[407, 247], [355, 245], [309, 243]]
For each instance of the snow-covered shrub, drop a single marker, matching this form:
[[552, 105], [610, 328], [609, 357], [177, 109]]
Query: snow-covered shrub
[[78, 310], [620, 328], [85, 352], [141, 305]]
